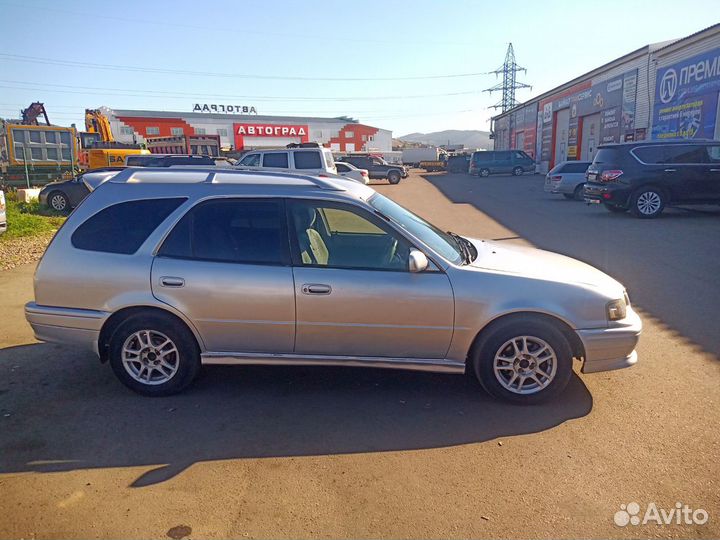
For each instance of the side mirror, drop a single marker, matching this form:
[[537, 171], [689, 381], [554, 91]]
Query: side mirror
[[418, 262]]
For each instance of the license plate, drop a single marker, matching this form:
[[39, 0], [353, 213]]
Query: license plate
[[592, 201], [592, 176]]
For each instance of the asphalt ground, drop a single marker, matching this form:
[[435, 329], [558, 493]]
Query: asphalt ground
[[305, 452]]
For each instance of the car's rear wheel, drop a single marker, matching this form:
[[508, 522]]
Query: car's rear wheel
[[517, 171], [393, 177], [523, 360], [647, 203], [58, 201], [484, 173], [154, 355]]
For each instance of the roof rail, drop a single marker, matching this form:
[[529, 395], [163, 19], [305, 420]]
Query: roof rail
[[196, 174]]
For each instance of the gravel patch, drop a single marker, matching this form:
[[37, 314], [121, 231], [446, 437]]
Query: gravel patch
[[17, 251]]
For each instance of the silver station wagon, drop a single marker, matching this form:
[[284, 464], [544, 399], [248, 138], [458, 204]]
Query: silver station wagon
[[160, 271]]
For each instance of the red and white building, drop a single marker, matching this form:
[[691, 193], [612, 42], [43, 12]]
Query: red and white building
[[249, 131]]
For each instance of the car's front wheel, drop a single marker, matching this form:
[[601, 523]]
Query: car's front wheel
[[647, 203], [524, 360], [154, 355], [517, 171]]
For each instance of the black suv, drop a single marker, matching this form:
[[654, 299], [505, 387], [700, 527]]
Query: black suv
[[377, 167], [644, 177]]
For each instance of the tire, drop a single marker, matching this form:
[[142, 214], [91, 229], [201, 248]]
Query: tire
[[484, 173], [578, 192], [518, 171], [58, 201], [615, 209], [539, 335], [182, 355], [569, 196], [393, 177], [647, 202]]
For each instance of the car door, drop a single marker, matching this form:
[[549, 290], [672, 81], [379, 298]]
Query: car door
[[354, 294], [226, 266], [687, 168], [713, 172]]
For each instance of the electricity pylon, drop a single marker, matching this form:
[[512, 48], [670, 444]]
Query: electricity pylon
[[509, 83]]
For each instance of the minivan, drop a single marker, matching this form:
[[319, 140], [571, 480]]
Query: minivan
[[485, 163], [645, 177]]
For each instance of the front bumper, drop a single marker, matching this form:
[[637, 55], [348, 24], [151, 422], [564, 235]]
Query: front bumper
[[71, 326], [613, 347]]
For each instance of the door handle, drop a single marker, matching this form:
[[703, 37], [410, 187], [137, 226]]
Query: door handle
[[714, 170], [670, 170], [168, 281], [316, 288]]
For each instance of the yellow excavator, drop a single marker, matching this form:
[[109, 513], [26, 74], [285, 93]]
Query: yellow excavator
[[98, 147]]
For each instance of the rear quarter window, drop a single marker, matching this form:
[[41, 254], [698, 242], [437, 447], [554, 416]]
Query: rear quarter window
[[606, 156], [123, 227], [575, 167]]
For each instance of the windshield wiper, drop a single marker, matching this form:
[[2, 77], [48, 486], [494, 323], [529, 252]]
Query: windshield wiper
[[462, 245]]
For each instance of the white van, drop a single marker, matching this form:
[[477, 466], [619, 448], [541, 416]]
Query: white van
[[305, 158]]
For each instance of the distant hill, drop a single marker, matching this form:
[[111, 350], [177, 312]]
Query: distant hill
[[471, 138]]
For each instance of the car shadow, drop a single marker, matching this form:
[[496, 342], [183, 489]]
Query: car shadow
[[62, 410]]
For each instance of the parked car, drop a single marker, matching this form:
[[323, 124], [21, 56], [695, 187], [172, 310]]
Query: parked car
[[65, 195], [348, 170], [458, 164], [304, 158], [377, 168], [168, 160], [489, 162], [237, 267], [645, 177], [3, 213], [567, 178]]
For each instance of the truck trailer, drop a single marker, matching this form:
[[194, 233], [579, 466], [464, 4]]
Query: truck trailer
[[414, 156]]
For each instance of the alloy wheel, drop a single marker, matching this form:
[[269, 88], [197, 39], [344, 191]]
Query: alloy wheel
[[150, 357], [648, 203], [58, 202], [525, 365]]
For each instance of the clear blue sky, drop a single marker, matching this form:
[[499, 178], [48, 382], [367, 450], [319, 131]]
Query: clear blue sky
[[555, 41]]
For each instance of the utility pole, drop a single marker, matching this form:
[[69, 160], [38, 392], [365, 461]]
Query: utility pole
[[509, 83]]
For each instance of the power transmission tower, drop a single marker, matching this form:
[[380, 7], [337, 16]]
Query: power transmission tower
[[509, 83]]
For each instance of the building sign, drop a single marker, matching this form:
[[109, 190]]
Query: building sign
[[282, 131], [686, 98], [220, 108]]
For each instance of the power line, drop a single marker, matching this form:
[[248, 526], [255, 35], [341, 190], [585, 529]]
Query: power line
[[140, 69], [345, 39], [185, 95]]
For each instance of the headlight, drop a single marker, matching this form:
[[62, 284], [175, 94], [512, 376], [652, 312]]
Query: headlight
[[616, 310]]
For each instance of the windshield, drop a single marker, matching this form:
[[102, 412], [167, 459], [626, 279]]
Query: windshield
[[436, 239]]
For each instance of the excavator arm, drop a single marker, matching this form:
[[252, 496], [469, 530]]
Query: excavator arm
[[97, 122]]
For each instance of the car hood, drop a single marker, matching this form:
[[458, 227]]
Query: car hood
[[541, 264]]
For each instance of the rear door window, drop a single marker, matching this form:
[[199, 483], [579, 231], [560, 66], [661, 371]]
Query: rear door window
[[123, 227], [307, 160], [248, 231], [686, 154], [275, 159]]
